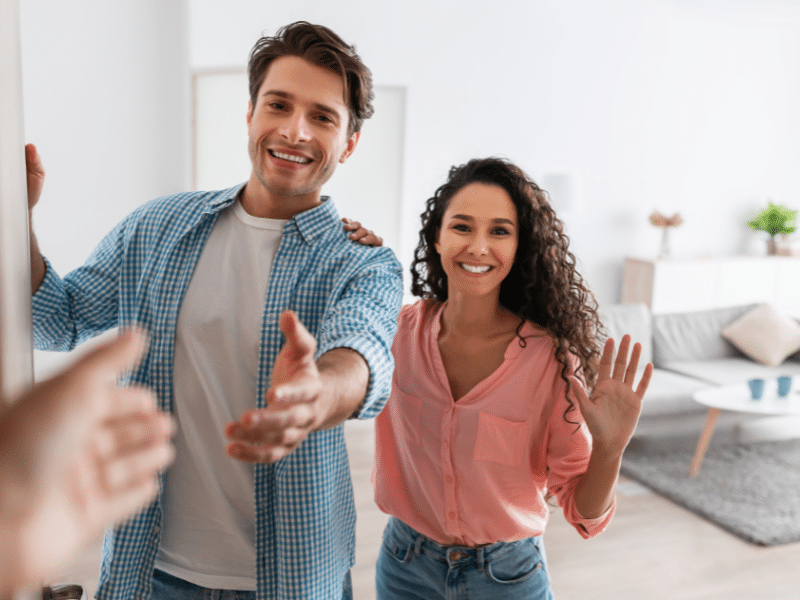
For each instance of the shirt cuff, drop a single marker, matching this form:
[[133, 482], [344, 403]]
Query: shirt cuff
[[46, 305], [380, 372], [592, 527]]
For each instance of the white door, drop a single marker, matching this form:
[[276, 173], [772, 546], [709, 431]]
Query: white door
[[16, 346]]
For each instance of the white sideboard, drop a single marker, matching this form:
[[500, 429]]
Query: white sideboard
[[674, 285]]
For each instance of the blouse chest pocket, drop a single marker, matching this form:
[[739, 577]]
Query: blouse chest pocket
[[500, 440]]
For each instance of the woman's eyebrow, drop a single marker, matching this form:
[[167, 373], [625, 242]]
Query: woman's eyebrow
[[469, 218]]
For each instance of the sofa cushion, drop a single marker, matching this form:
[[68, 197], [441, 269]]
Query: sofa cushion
[[725, 371], [764, 335], [694, 336], [634, 319], [670, 393]]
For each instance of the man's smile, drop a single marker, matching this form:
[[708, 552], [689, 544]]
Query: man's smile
[[290, 157]]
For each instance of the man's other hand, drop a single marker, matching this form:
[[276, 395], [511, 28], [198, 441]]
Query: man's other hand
[[35, 172]]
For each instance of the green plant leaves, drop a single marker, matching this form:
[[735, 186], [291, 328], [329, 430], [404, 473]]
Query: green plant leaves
[[775, 219]]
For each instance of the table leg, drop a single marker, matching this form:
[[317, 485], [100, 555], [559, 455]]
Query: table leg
[[705, 438]]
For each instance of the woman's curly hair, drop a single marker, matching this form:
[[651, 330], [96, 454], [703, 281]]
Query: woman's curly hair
[[543, 286]]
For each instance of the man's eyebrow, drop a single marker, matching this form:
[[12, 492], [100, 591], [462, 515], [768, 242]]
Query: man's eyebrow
[[281, 94], [469, 218]]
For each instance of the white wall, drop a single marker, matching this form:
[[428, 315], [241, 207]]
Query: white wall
[[651, 104], [668, 104], [107, 104]]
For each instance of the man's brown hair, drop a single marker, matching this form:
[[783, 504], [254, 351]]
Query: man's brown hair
[[322, 47]]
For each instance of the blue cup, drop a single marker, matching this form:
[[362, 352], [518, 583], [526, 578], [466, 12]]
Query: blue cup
[[784, 386], [756, 388]]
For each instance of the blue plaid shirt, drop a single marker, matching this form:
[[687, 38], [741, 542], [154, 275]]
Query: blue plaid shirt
[[346, 295]]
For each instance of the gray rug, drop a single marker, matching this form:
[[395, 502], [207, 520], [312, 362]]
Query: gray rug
[[750, 490]]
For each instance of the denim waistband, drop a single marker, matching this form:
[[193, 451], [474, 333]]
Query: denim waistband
[[453, 554]]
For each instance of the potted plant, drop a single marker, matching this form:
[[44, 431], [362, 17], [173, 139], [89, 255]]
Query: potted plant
[[774, 219]]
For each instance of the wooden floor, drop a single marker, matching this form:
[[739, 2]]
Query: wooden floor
[[652, 550]]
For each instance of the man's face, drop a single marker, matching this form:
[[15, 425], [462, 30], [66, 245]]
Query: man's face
[[298, 130]]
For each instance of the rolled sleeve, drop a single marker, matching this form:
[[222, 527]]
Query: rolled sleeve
[[50, 306], [570, 449], [82, 304], [364, 319]]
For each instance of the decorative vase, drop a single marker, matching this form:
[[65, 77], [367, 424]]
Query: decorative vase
[[664, 251], [772, 246]]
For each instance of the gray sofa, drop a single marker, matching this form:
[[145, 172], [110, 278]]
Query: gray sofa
[[688, 354]]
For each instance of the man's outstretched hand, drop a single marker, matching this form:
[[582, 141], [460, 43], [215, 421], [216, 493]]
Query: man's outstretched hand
[[296, 404]]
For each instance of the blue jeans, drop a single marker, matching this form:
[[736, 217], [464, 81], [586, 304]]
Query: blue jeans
[[168, 587], [413, 567]]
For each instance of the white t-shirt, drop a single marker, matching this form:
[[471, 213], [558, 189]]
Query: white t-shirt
[[208, 532]]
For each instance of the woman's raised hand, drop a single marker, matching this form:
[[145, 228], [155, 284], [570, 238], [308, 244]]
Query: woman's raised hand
[[612, 411]]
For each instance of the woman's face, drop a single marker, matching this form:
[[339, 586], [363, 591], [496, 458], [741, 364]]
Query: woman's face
[[477, 242]]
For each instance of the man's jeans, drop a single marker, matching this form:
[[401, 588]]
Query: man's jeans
[[412, 566], [167, 587]]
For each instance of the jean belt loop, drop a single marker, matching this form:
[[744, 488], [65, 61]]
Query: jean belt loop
[[418, 544], [480, 558]]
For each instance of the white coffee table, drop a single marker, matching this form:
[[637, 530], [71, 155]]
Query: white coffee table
[[737, 398]]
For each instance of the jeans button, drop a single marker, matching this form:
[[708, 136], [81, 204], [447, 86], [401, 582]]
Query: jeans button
[[455, 555]]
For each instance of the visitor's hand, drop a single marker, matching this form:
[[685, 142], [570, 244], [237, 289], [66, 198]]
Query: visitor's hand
[[77, 454], [612, 411], [35, 173], [360, 234], [295, 402]]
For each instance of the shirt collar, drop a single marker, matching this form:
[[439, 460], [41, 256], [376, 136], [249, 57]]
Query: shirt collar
[[224, 198], [314, 222], [310, 223]]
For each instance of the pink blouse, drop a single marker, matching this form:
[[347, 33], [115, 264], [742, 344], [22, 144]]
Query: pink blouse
[[476, 471]]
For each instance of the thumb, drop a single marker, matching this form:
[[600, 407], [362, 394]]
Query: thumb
[[299, 341], [117, 356]]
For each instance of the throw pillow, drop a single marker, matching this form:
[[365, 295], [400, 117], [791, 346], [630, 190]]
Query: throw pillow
[[764, 335]]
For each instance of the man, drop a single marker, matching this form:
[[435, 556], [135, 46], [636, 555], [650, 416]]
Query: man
[[76, 454], [212, 275]]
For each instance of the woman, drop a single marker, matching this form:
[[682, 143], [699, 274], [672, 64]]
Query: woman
[[489, 413]]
